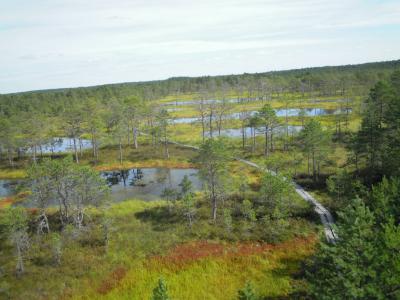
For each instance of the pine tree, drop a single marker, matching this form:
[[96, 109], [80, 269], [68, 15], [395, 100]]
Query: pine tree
[[347, 269], [160, 292], [247, 293]]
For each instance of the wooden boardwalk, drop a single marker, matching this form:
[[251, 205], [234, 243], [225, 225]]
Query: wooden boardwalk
[[324, 214]]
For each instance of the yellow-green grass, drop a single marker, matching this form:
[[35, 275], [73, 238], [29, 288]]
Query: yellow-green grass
[[146, 156], [8, 173], [141, 250], [6, 202], [233, 95], [192, 273]]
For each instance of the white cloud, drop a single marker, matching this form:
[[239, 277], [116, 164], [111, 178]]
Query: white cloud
[[49, 44]]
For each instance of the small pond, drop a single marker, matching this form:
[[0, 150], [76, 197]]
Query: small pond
[[147, 183], [237, 132], [9, 187], [62, 145], [143, 184]]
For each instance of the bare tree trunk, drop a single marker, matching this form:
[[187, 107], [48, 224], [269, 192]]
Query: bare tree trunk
[[166, 145], [80, 147], [203, 126], [43, 223], [219, 125], [214, 205], [20, 269], [314, 170], [76, 151], [135, 135], [34, 154], [211, 114], [243, 136], [254, 140], [10, 158], [287, 132], [272, 140], [93, 147], [266, 140], [120, 150]]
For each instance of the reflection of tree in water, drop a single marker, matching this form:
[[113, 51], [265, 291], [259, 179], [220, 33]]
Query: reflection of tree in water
[[137, 178], [162, 175], [112, 178], [124, 176]]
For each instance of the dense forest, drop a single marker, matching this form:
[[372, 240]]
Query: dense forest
[[322, 81]]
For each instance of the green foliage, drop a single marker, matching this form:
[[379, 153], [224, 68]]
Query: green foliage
[[378, 139], [71, 186], [247, 293], [384, 200], [169, 194], [344, 270], [228, 219], [189, 206], [364, 262], [315, 144], [160, 292], [186, 185], [213, 157], [14, 219], [275, 194], [248, 211], [343, 187]]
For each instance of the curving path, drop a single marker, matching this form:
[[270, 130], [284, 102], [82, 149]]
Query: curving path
[[324, 214]]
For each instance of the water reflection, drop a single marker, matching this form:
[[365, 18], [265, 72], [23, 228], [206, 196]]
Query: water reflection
[[143, 184], [62, 145], [9, 187], [147, 183], [290, 112], [238, 132]]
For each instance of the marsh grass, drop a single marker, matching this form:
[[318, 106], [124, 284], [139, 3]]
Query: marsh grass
[[148, 241]]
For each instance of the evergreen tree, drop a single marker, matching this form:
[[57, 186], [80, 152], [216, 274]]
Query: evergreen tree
[[268, 119], [315, 142], [247, 293], [160, 292], [186, 185], [364, 263], [213, 157], [15, 221]]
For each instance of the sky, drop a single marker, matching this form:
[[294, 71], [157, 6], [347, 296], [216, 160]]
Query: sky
[[48, 44]]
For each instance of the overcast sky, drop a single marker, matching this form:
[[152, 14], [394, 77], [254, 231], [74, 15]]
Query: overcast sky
[[67, 43]]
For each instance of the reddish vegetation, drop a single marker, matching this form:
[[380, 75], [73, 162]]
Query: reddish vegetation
[[112, 280], [6, 202], [189, 252], [11, 200]]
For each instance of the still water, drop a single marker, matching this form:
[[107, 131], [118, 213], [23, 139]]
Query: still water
[[63, 145], [143, 184], [290, 112]]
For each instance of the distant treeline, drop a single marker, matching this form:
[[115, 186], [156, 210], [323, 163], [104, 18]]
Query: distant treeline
[[321, 81]]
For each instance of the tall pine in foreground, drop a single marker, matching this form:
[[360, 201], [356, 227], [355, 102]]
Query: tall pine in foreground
[[365, 261]]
